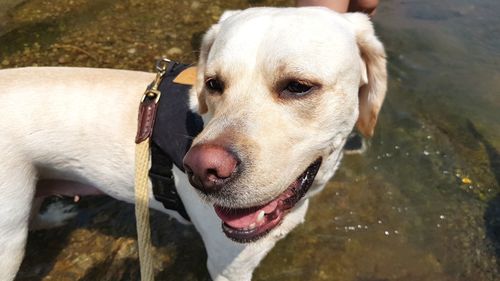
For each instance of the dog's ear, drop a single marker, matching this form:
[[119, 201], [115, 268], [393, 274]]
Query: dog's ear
[[373, 84], [206, 45], [227, 14]]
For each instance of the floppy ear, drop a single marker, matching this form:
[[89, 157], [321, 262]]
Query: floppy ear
[[374, 77], [206, 45], [227, 14]]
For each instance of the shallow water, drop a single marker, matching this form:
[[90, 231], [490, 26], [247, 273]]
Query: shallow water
[[421, 204]]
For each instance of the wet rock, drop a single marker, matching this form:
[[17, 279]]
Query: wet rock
[[195, 5], [174, 52]]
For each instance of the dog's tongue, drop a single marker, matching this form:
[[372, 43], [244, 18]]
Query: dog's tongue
[[243, 218]]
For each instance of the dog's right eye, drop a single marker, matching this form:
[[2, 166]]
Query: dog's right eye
[[296, 89], [214, 85]]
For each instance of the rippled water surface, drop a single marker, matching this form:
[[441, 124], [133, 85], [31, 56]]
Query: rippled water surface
[[421, 204]]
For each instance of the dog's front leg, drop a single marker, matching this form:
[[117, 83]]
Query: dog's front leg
[[229, 260], [17, 185]]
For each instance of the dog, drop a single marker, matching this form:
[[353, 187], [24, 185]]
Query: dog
[[278, 89]]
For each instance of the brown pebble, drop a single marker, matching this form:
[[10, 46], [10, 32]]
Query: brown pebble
[[173, 52]]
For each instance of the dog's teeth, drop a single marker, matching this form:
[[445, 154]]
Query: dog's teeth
[[261, 215]]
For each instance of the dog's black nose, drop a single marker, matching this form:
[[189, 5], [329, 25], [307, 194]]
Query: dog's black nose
[[209, 166]]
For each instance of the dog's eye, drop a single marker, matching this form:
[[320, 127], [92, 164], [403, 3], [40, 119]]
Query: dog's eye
[[214, 85], [297, 89]]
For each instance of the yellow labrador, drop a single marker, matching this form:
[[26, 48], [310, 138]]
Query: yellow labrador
[[279, 91]]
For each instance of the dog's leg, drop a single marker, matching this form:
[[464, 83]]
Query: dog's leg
[[17, 184], [57, 212]]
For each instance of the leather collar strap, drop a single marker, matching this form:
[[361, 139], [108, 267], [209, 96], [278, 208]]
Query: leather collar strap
[[175, 127]]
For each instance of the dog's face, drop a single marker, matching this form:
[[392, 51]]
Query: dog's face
[[279, 90]]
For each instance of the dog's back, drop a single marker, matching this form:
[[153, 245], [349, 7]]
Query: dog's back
[[60, 123], [58, 117]]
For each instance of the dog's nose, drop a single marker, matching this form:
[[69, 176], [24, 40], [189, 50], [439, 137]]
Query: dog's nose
[[209, 166]]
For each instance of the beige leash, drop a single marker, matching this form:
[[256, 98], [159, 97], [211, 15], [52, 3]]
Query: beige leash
[[142, 210], [147, 113]]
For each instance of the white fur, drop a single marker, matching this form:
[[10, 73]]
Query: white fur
[[79, 124], [56, 214]]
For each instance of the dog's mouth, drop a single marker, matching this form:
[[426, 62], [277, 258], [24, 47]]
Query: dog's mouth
[[250, 224]]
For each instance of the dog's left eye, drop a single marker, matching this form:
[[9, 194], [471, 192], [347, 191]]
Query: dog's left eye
[[296, 89]]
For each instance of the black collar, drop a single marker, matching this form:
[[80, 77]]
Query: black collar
[[174, 129]]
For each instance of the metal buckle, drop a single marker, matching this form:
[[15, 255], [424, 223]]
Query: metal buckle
[[151, 94], [162, 65], [161, 69]]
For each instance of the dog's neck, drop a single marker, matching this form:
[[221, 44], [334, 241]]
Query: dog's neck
[[328, 168]]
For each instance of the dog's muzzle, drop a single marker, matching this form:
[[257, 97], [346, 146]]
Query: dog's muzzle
[[250, 224]]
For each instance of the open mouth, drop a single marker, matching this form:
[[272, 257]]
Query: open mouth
[[250, 224]]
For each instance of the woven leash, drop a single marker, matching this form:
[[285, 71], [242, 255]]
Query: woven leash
[[147, 114], [142, 210]]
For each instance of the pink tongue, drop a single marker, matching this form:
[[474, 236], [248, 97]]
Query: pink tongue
[[242, 218]]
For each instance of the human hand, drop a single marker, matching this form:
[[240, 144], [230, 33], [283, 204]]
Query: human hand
[[342, 6]]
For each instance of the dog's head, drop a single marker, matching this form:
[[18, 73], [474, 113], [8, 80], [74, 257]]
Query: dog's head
[[279, 91]]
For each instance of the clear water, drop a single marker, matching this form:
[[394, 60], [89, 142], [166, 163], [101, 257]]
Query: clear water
[[421, 204]]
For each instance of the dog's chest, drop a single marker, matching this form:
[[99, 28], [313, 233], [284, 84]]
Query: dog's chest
[[174, 129]]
